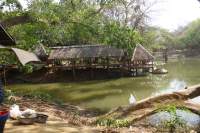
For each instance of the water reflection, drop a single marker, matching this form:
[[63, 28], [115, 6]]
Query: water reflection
[[174, 85], [107, 94], [182, 73]]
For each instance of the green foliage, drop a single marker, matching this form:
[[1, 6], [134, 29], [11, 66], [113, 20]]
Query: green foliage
[[171, 108], [190, 36], [168, 108], [175, 120], [8, 93], [7, 57], [72, 23], [121, 37], [185, 37], [113, 122], [157, 38], [28, 68]]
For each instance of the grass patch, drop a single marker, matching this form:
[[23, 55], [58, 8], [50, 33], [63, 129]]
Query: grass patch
[[171, 108], [109, 122]]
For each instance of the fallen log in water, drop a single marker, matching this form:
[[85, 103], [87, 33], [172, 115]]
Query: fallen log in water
[[190, 92], [183, 95], [149, 105]]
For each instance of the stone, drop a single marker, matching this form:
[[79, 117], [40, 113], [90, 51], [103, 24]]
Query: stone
[[181, 120]]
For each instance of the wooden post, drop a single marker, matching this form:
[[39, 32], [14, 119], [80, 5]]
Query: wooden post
[[122, 67], [165, 55], [107, 63], [129, 65], [73, 69], [91, 69], [136, 72]]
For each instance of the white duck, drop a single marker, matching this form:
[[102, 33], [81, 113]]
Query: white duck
[[132, 99]]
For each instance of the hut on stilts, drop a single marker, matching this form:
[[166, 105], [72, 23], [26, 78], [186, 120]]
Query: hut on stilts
[[82, 57], [86, 57], [142, 59], [100, 57]]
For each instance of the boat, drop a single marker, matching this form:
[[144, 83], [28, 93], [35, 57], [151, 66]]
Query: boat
[[159, 71]]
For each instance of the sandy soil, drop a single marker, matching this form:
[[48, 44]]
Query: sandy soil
[[53, 125]]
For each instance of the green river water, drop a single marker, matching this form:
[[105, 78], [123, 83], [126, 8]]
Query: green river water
[[106, 94]]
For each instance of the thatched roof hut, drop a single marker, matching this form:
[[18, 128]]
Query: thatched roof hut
[[84, 51], [5, 37], [141, 54]]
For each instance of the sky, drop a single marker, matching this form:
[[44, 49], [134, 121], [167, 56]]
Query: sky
[[171, 14]]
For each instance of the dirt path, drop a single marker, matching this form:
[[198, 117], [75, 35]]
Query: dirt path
[[53, 125]]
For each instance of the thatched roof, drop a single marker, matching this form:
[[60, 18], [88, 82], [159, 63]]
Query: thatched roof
[[24, 56], [5, 37], [140, 53], [85, 51]]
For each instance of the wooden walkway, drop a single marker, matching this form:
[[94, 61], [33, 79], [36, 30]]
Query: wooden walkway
[[124, 69]]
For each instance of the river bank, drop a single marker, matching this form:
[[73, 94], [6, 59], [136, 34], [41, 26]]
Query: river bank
[[64, 118], [122, 119], [114, 92]]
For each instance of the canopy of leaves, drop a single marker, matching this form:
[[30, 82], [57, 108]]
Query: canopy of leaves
[[77, 22], [157, 38], [189, 37]]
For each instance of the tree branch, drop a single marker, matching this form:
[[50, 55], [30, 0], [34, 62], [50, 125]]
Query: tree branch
[[17, 20]]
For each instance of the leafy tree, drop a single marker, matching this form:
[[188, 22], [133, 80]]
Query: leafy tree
[[121, 37], [190, 36], [75, 22], [157, 38]]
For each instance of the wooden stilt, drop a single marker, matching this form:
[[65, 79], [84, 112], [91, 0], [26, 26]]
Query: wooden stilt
[[136, 72], [165, 55], [122, 67], [73, 69], [91, 69], [108, 67]]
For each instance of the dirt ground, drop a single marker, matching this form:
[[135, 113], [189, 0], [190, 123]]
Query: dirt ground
[[53, 125], [57, 125], [63, 119]]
